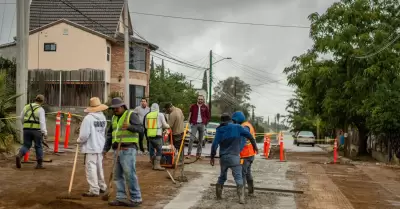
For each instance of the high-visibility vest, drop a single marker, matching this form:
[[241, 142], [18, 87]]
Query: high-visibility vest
[[248, 150], [152, 124], [31, 116], [124, 136]]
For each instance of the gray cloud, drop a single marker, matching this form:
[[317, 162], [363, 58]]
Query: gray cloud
[[268, 49]]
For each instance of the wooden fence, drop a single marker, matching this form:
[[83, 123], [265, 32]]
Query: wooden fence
[[77, 87]]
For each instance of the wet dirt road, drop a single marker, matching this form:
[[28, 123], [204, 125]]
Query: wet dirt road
[[325, 186]]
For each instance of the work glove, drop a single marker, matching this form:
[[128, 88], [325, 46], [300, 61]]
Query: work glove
[[212, 161], [78, 140], [165, 132]]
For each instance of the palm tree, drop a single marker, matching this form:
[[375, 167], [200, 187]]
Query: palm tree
[[8, 132]]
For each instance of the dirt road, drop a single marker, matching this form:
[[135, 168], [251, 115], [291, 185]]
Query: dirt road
[[28, 188], [325, 186]]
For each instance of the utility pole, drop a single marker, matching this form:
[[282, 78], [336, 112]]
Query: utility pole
[[22, 57], [190, 83], [126, 47], [210, 89]]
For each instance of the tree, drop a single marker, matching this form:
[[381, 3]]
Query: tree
[[166, 86], [8, 132], [342, 89], [232, 94], [204, 84]]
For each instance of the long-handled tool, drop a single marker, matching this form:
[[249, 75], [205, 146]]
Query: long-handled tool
[[69, 196], [106, 195], [180, 151]]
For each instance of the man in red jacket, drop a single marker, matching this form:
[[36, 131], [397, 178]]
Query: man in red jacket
[[199, 118]]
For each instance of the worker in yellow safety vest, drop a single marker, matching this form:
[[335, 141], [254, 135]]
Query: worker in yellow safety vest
[[125, 129], [248, 152], [34, 130], [154, 122]]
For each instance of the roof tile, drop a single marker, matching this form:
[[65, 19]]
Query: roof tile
[[99, 15]]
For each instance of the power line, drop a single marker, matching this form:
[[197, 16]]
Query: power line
[[222, 21], [379, 50], [70, 5]]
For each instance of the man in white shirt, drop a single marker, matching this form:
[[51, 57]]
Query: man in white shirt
[[142, 110], [34, 130], [92, 139]]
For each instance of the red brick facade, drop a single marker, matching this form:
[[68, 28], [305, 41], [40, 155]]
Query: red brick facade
[[118, 67]]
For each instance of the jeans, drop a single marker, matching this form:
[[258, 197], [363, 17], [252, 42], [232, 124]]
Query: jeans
[[177, 138], [200, 128], [32, 135], [125, 171], [141, 137], [232, 162], [246, 169], [156, 142]]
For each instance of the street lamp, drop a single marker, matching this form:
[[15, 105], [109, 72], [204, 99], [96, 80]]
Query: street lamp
[[210, 89], [226, 58]]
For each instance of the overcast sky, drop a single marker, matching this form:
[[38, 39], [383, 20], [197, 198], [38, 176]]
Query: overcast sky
[[267, 50]]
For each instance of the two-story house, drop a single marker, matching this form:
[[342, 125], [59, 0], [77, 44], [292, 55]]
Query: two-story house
[[83, 39]]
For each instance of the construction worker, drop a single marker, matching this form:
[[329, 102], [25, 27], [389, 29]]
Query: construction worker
[[125, 129], [91, 140], [248, 152], [154, 123], [34, 130], [176, 122], [229, 137]]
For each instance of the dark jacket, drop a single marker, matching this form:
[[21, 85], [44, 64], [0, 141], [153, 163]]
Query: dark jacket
[[229, 137], [205, 113], [238, 117], [135, 126]]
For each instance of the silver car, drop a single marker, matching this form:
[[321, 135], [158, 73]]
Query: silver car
[[305, 137]]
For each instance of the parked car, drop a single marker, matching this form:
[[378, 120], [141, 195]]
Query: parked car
[[196, 139], [305, 137], [211, 128]]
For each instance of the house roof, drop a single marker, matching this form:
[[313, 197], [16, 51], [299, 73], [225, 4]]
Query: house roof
[[8, 44], [98, 15], [120, 37], [73, 24]]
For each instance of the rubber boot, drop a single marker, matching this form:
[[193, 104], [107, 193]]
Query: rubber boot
[[18, 160], [218, 191], [157, 165], [240, 192], [39, 164], [152, 161], [250, 185]]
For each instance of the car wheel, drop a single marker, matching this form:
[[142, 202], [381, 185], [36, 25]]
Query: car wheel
[[313, 144], [298, 144], [204, 143]]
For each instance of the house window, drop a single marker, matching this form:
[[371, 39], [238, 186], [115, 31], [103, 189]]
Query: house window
[[136, 93], [50, 47], [108, 53], [137, 58]]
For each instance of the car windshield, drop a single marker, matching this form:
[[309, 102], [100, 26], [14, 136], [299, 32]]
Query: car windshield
[[306, 133], [212, 125]]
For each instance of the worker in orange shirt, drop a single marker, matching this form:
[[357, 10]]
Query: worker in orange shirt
[[248, 152]]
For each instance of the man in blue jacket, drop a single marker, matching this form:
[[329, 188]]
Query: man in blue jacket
[[229, 137]]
